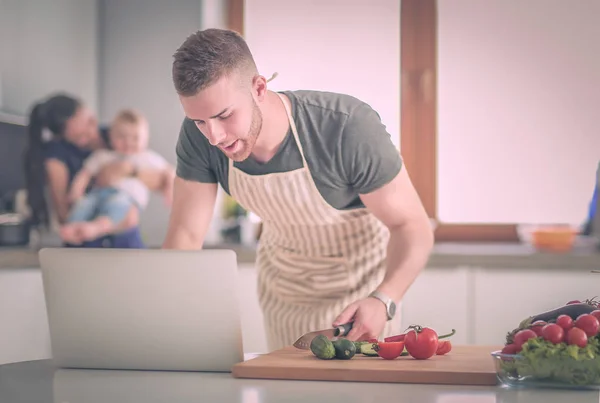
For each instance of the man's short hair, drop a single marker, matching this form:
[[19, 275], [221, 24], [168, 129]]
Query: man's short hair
[[208, 55]]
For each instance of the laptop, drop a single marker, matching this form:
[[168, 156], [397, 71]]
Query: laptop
[[142, 309]]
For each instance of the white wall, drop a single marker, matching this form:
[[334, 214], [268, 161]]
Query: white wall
[[348, 46], [518, 115], [137, 41], [47, 46]]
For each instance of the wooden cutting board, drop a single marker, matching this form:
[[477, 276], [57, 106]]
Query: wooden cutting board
[[464, 365]]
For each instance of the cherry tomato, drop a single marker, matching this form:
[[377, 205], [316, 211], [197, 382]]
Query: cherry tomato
[[575, 301], [577, 336], [564, 321], [511, 349], [423, 344], [523, 335], [444, 347], [596, 313], [537, 327], [389, 350], [553, 333], [588, 323]]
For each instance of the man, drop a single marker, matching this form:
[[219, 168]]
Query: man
[[344, 232]]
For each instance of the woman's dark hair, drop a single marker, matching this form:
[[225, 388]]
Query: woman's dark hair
[[52, 114]]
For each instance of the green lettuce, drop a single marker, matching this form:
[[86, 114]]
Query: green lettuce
[[541, 360]]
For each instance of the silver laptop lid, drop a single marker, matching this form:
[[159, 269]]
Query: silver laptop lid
[[142, 309]]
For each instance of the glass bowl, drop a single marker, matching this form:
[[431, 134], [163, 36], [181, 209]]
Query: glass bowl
[[514, 370]]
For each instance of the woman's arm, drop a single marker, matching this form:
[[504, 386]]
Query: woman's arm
[[80, 183], [58, 178]]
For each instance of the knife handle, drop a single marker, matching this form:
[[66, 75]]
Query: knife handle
[[342, 330]]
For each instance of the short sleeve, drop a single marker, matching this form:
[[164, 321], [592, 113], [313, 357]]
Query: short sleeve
[[193, 155], [369, 157], [55, 150]]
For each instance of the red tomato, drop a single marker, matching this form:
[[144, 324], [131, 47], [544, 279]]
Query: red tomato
[[577, 336], [537, 327], [564, 321], [574, 302], [588, 323], [523, 335], [389, 350], [511, 349], [553, 333], [444, 347], [596, 313], [421, 345]]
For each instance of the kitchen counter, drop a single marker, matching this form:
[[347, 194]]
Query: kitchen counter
[[452, 255], [40, 382]]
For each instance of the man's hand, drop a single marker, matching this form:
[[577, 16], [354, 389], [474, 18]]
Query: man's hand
[[112, 173], [369, 316], [193, 205]]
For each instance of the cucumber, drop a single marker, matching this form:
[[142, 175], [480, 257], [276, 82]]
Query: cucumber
[[322, 347], [344, 349], [368, 350], [358, 345]]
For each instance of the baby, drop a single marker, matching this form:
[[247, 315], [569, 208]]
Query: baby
[[102, 210]]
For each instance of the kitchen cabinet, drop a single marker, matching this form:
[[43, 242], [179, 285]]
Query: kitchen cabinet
[[24, 333], [504, 297], [440, 298], [482, 295], [482, 304], [253, 333]]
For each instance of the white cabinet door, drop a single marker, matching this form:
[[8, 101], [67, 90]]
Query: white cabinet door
[[251, 316], [440, 298], [24, 331], [504, 297]]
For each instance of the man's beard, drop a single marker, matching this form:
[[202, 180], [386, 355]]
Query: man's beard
[[247, 144]]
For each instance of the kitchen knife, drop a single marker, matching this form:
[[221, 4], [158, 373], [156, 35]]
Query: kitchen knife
[[303, 342]]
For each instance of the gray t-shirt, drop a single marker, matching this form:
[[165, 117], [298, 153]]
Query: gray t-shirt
[[346, 146]]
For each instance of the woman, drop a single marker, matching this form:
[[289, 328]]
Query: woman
[[74, 134]]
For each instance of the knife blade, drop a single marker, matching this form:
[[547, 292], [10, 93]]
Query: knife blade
[[303, 342]]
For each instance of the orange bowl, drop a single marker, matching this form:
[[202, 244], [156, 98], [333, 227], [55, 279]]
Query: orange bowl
[[554, 238]]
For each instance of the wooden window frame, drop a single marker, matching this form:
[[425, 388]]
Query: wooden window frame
[[418, 114]]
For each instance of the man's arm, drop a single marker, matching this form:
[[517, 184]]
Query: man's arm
[[399, 207], [193, 205], [372, 165]]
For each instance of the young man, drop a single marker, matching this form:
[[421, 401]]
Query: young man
[[344, 232]]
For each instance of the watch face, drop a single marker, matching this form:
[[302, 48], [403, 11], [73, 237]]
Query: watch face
[[392, 309]]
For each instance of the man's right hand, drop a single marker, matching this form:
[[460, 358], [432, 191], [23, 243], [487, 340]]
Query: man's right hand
[[191, 214]]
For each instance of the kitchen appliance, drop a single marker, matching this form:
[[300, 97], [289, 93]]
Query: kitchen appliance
[[464, 365], [15, 227]]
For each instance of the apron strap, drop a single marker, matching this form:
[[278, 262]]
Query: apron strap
[[293, 127]]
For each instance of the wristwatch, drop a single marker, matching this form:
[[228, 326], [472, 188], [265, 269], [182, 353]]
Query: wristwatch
[[390, 305]]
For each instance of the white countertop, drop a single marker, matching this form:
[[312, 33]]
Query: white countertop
[[40, 382]]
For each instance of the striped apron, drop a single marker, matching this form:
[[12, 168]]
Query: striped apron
[[313, 259]]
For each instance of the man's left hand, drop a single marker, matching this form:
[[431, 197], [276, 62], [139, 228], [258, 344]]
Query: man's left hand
[[369, 317]]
